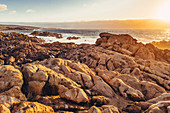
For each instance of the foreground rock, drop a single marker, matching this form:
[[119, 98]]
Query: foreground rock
[[101, 59], [134, 78], [81, 74], [103, 109], [44, 81], [11, 82], [107, 78], [32, 107], [57, 103]]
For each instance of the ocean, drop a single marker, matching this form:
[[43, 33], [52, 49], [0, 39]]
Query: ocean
[[90, 36]]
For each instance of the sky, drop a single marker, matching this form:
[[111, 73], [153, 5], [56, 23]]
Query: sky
[[79, 10]]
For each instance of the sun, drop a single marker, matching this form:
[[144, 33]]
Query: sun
[[164, 12]]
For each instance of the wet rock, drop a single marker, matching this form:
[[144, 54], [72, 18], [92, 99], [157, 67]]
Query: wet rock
[[37, 33], [73, 38]]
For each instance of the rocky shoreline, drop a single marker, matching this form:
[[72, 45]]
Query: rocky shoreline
[[115, 75], [16, 27]]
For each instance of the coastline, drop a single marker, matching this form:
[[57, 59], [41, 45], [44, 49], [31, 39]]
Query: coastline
[[116, 73]]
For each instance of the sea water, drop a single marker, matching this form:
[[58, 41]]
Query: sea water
[[90, 36]]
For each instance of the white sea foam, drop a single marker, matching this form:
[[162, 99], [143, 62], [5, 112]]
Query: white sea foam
[[90, 36]]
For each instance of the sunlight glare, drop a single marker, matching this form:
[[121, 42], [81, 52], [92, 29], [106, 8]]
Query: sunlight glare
[[164, 12]]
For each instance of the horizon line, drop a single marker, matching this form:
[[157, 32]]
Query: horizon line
[[84, 20]]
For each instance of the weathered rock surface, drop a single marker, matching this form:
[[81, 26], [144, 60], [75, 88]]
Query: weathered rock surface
[[43, 81], [130, 75], [18, 49], [104, 109], [94, 109], [57, 103], [126, 44], [100, 100], [11, 81], [8, 101], [115, 75], [33, 107], [101, 59], [79, 73], [4, 109]]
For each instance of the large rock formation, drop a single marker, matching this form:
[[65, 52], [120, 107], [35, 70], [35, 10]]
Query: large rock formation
[[128, 45], [31, 107], [117, 75], [18, 49], [43, 81], [79, 73], [133, 75]]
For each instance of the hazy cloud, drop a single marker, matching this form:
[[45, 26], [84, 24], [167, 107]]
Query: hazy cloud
[[3, 7], [12, 12], [30, 11], [84, 5]]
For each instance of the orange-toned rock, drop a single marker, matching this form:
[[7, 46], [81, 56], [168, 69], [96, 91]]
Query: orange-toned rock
[[8, 101], [51, 83], [32, 107], [80, 73], [125, 44], [4, 109], [11, 82], [109, 109], [57, 103], [94, 109]]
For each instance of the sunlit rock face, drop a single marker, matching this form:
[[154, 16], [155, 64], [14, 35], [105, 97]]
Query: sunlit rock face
[[128, 45], [116, 75], [138, 72]]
